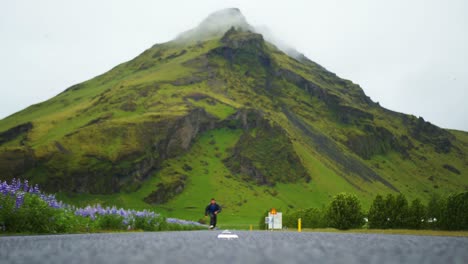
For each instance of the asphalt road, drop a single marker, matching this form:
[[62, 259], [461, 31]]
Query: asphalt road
[[250, 247]]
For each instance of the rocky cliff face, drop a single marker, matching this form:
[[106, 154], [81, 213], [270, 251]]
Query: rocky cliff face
[[153, 143]]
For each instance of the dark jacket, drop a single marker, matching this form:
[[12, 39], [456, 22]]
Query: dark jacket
[[211, 208]]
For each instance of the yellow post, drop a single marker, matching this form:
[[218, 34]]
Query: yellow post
[[299, 225], [251, 227]]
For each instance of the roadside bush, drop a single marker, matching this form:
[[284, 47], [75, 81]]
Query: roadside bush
[[34, 215], [110, 222], [311, 218], [8, 218], [148, 223], [261, 224], [67, 222], [344, 212]]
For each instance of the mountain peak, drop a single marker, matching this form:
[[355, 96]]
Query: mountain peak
[[216, 24], [228, 16]]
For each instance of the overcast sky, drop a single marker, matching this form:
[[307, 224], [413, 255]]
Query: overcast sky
[[409, 55]]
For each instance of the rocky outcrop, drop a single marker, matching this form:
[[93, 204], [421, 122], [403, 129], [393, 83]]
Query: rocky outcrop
[[344, 113], [265, 156], [15, 132], [166, 190], [377, 141], [175, 138], [451, 169], [16, 162], [428, 133], [243, 48], [244, 119], [235, 39], [184, 131]]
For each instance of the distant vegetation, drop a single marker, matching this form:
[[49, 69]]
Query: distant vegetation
[[392, 212]]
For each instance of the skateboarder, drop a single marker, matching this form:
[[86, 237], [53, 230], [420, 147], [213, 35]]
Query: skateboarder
[[213, 209]]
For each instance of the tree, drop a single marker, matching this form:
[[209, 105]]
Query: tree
[[455, 215], [434, 211], [396, 210], [344, 212], [377, 213], [400, 211], [417, 212], [389, 210]]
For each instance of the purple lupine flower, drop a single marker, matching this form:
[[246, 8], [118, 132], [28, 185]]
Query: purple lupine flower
[[36, 189], [4, 188], [17, 190], [13, 182], [25, 186], [122, 212], [17, 185], [19, 199]]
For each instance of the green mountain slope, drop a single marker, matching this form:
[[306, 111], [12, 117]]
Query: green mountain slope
[[221, 112]]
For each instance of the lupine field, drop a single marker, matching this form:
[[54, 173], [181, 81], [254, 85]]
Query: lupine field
[[26, 209]]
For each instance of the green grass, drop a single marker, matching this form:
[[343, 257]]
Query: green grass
[[217, 109]]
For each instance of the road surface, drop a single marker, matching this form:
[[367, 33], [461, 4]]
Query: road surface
[[250, 247]]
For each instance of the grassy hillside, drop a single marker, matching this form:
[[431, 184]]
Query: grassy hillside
[[243, 202], [228, 116]]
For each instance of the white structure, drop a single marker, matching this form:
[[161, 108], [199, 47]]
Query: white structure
[[274, 221]]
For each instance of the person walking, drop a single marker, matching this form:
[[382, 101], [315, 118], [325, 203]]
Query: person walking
[[213, 209]]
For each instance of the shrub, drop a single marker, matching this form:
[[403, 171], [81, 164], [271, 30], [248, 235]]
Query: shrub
[[148, 223], [33, 215], [110, 222], [344, 212], [8, 216], [311, 218], [261, 224]]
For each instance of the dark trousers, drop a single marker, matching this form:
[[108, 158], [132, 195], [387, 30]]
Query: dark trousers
[[213, 219]]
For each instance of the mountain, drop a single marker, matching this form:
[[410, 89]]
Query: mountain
[[221, 112]]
